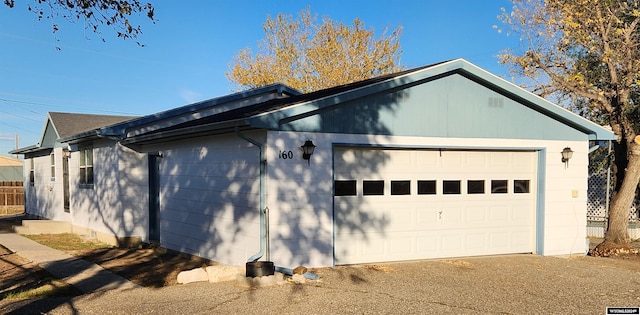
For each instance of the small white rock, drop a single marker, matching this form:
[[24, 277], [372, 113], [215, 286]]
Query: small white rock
[[279, 278], [221, 273], [299, 279], [194, 275]]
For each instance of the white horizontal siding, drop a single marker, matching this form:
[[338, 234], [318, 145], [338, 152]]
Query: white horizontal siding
[[117, 203], [209, 197], [565, 217], [45, 197]]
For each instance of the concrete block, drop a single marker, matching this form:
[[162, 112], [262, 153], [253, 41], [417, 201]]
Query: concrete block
[[222, 273], [194, 275], [43, 227]]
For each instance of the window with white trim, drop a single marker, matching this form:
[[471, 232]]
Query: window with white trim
[[86, 166], [53, 166]]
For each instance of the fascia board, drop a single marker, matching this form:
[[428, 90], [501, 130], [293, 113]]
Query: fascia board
[[80, 137], [170, 135], [30, 149], [190, 112]]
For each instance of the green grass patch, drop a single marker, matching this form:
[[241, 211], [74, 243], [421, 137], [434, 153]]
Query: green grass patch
[[54, 288], [67, 242]]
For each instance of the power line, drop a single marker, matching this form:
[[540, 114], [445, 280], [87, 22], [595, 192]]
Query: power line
[[16, 127], [24, 117], [62, 106]]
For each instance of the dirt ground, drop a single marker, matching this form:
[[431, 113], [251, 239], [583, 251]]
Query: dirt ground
[[146, 266], [20, 275]]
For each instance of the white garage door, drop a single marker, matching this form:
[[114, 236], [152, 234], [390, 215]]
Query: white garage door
[[395, 205]]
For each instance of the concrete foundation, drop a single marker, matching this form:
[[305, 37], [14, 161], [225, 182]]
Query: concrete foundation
[[30, 227]]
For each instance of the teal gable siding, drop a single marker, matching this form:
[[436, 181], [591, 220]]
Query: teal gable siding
[[50, 136], [451, 106]]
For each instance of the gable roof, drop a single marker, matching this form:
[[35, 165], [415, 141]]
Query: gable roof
[[67, 124], [172, 117], [276, 114], [59, 125]]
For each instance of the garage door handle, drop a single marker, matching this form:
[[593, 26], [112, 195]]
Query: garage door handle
[[440, 214]]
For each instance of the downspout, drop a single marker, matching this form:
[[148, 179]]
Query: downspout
[[264, 220], [264, 211]]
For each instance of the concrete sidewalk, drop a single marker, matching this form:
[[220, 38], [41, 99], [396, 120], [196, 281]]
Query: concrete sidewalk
[[85, 276]]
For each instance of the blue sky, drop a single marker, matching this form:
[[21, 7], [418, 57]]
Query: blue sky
[[189, 48]]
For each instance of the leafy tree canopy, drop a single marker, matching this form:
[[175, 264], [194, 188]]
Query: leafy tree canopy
[[587, 53], [93, 13], [309, 56]]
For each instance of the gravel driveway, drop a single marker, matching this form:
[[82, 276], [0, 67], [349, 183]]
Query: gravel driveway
[[513, 284]]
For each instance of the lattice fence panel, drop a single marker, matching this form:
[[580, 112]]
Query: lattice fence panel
[[596, 200]]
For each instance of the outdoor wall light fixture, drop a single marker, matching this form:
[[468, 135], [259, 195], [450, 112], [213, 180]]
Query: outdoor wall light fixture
[[567, 153], [307, 150]]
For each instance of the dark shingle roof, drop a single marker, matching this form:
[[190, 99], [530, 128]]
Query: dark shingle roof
[[275, 104], [67, 124]]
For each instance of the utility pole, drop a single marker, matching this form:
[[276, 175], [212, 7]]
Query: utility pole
[[17, 144]]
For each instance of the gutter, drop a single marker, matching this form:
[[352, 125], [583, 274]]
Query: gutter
[[264, 211], [188, 132]]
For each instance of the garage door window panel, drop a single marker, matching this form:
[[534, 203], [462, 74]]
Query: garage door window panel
[[426, 187], [475, 186], [499, 186], [521, 186], [400, 187], [372, 187], [451, 187], [344, 188]]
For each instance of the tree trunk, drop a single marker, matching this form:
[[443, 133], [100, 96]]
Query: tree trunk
[[627, 177]]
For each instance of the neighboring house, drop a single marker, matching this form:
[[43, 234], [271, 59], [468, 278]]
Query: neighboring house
[[10, 169], [441, 161]]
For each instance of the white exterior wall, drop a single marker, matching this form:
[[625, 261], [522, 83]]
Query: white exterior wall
[[565, 217], [45, 197], [301, 201], [133, 192], [209, 197], [117, 203]]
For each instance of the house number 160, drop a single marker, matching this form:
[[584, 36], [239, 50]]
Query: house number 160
[[286, 154]]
